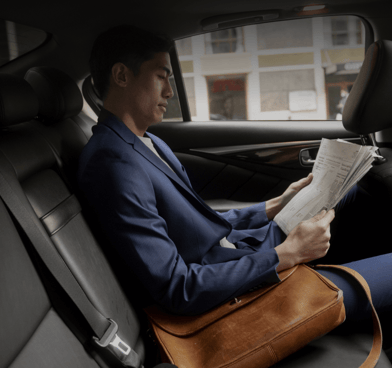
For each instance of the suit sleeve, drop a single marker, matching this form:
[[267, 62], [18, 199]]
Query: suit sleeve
[[252, 217], [122, 195]]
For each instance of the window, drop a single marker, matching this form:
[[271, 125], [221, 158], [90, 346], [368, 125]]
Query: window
[[190, 92], [359, 32], [339, 31], [173, 110], [184, 46], [17, 39], [283, 90], [343, 31], [225, 41], [295, 70], [279, 35], [227, 97]]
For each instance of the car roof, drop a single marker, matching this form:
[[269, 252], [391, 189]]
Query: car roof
[[74, 24]]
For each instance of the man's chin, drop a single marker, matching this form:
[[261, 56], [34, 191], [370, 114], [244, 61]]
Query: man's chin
[[157, 122]]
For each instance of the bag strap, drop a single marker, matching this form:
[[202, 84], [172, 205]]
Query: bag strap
[[375, 352], [104, 328]]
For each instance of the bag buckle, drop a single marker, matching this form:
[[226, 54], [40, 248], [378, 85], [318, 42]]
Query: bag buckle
[[110, 337]]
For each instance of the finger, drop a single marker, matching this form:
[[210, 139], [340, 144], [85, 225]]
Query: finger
[[328, 233], [305, 181], [327, 219], [328, 245], [318, 217]]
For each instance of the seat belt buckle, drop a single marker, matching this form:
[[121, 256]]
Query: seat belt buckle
[[120, 345], [110, 337]]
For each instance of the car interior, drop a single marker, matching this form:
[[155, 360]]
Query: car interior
[[241, 139]]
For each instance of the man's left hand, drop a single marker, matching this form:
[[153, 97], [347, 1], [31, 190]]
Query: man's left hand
[[274, 206], [293, 189]]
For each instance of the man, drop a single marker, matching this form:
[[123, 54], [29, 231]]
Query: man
[[188, 257]]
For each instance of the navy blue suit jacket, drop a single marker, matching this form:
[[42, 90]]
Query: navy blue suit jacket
[[165, 232]]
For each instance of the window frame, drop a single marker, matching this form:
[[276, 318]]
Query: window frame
[[14, 62], [179, 77], [368, 40]]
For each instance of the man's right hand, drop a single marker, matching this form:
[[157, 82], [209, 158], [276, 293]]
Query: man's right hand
[[306, 242]]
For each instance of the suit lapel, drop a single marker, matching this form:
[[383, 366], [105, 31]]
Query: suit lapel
[[128, 136], [168, 155], [179, 176], [171, 159], [141, 148]]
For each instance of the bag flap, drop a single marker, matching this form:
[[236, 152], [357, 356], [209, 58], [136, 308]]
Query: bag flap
[[186, 325]]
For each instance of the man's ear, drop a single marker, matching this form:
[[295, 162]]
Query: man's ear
[[120, 75]]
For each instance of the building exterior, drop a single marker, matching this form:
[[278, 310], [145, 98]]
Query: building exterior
[[299, 70]]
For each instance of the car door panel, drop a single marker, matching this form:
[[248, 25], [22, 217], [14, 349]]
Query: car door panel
[[233, 164], [195, 135]]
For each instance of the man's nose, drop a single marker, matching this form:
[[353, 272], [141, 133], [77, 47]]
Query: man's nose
[[168, 91]]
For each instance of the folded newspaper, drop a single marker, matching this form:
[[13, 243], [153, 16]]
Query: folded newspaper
[[339, 166]]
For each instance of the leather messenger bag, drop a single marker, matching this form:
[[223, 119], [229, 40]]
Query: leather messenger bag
[[261, 327]]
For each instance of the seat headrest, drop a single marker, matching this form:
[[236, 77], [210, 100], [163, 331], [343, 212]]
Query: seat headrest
[[58, 94], [368, 108], [18, 102]]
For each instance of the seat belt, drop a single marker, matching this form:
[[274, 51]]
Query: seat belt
[[104, 328]]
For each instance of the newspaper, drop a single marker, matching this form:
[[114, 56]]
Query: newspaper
[[339, 166]]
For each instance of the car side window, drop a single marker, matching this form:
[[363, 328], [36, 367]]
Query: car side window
[[173, 111], [287, 70], [18, 39]]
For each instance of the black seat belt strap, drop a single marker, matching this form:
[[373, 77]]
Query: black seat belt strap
[[104, 328]]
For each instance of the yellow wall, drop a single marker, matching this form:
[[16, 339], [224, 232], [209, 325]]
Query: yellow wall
[[302, 58], [186, 66], [340, 56], [224, 63]]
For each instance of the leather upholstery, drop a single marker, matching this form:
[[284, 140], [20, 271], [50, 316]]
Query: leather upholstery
[[58, 94], [368, 108], [66, 129], [23, 301], [61, 215], [53, 345], [18, 101], [32, 168]]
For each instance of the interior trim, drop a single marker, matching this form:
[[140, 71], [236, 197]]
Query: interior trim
[[64, 212], [226, 150]]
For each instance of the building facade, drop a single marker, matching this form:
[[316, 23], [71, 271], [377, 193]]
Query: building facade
[[291, 70]]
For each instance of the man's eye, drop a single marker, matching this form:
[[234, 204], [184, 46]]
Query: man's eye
[[161, 76]]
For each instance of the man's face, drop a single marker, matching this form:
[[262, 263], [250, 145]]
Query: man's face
[[149, 91]]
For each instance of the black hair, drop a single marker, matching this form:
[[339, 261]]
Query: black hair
[[125, 44]]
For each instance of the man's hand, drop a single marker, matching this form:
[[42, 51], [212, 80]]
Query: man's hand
[[294, 188], [275, 205], [306, 242]]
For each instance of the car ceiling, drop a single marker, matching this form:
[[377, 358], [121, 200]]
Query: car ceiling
[[74, 24]]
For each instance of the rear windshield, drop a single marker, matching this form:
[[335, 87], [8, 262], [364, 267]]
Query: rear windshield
[[17, 39]]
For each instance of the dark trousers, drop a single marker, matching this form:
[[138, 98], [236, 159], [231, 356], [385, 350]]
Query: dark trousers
[[369, 229]]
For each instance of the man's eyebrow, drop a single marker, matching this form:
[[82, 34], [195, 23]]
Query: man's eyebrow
[[167, 70]]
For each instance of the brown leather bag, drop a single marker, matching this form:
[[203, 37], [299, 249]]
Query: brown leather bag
[[261, 327]]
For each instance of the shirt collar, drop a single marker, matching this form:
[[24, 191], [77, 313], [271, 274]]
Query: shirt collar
[[105, 114]]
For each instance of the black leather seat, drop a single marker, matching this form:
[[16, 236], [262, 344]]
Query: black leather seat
[[60, 119], [32, 334], [368, 110], [32, 168]]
